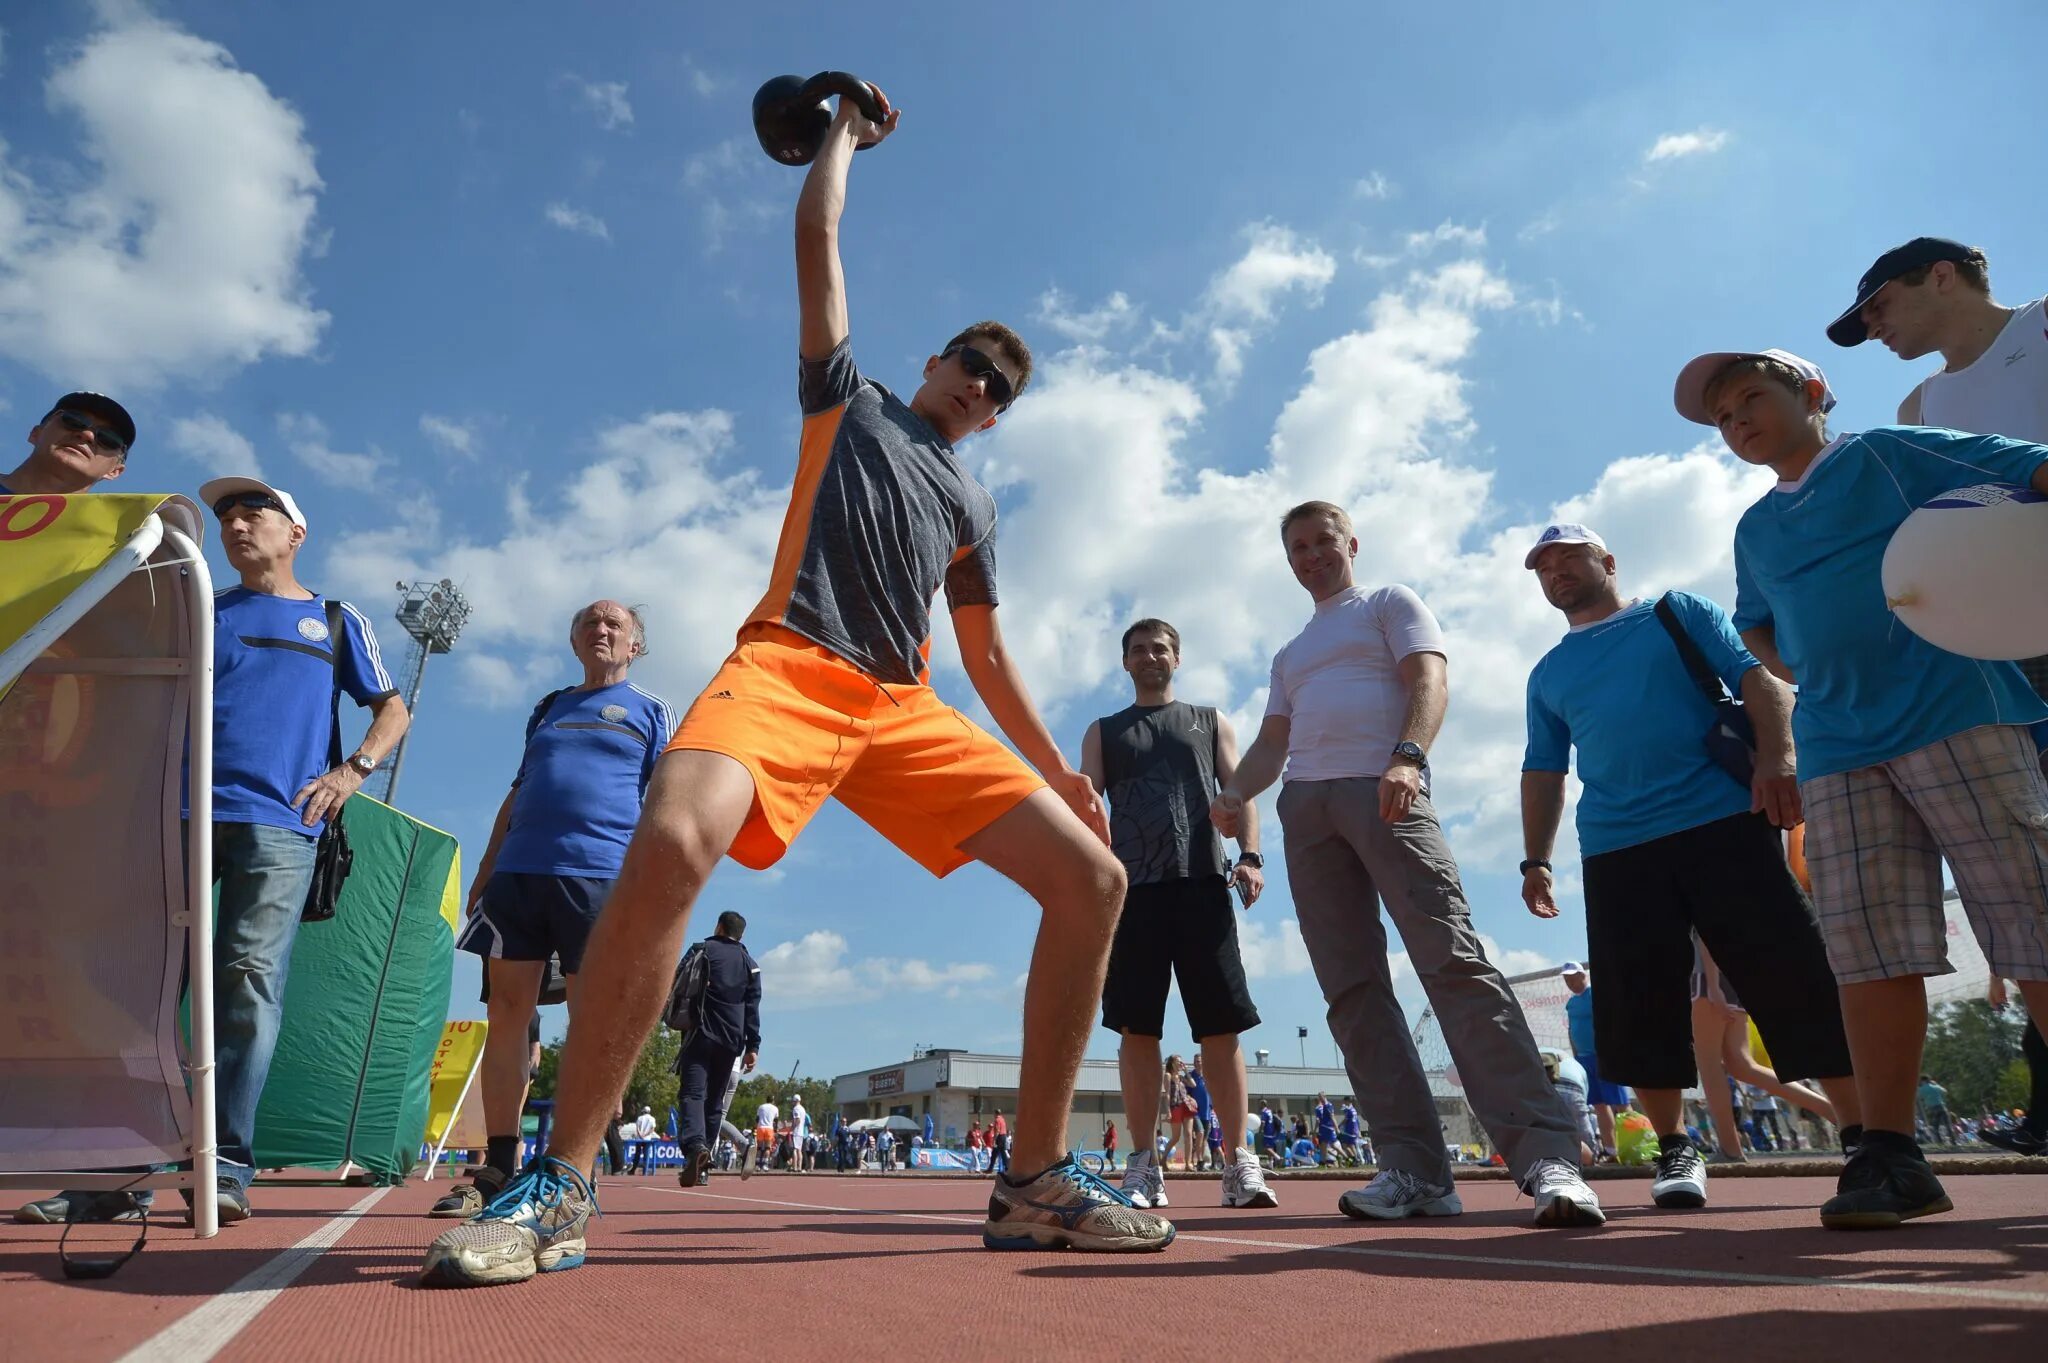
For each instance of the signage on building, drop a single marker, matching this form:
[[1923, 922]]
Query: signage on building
[[885, 1082], [945, 1072]]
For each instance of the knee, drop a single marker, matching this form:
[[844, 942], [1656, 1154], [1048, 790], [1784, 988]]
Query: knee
[[679, 841]]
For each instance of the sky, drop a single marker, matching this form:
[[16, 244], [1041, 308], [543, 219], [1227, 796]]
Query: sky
[[503, 293]]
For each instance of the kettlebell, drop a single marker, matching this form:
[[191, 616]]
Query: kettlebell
[[791, 115]]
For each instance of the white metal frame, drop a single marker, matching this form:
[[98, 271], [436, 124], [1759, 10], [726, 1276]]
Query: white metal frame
[[174, 524]]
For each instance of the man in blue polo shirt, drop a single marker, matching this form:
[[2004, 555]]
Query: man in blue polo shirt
[[83, 440], [554, 852], [1673, 843], [1909, 755]]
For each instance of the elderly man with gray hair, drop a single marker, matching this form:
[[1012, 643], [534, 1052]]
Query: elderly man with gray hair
[[554, 852]]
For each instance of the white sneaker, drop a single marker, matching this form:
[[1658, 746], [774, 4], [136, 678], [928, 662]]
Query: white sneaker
[[1681, 1178], [1396, 1193], [1244, 1182], [1137, 1184], [1562, 1197], [1157, 1189]]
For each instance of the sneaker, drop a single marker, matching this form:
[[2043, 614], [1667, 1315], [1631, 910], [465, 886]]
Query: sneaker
[[231, 1201], [1066, 1207], [1562, 1197], [1394, 1194], [534, 1226], [1885, 1182], [467, 1199], [1852, 1138], [696, 1170], [83, 1208], [1681, 1179], [1137, 1184], [2018, 1140], [1244, 1183]]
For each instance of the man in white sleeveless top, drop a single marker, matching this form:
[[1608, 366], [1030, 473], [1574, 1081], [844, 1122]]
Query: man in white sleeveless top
[[1933, 294]]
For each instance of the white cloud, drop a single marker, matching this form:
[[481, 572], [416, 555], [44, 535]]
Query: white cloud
[[701, 82], [1276, 262], [310, 443], [576, 220], [1699, 142], [1375, 186], [1271, 951], [1447, 233], [208, 440], [735, 189], [449, 435], [178, 252], [605, 99], [1115, 313], [1542, 225], [814, 972]]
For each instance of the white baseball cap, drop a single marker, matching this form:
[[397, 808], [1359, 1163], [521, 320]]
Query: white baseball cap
[[1690, 396], [1571, 968], [210, 494], [1566, 533]]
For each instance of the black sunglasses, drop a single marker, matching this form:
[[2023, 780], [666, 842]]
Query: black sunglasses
[[256, 501], [994, 381], [102, 436]]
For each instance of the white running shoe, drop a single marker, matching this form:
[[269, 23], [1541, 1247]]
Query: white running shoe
[[1137, 1183], [1562, 1197], [1244, 1182], [1681, 1178], [1066, 1207], [1396, 1193]]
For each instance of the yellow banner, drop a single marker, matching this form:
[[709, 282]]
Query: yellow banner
[[455, 1062], [50, 544]]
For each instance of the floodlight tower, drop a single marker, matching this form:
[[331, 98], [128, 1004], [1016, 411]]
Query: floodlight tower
[[433, 614]]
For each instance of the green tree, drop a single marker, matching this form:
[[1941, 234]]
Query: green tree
[[1970, 1045], [2015, 1086], [653, 1083]]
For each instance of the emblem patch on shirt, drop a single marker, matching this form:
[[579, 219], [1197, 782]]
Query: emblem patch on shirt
[[612, 714], [313, 629]]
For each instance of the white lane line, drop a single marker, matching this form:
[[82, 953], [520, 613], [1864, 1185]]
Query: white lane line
[[202, 1333], [1699, 1275]]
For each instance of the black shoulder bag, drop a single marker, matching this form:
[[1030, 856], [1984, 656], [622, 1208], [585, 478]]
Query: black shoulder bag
[[1731, 738], [332, 857]]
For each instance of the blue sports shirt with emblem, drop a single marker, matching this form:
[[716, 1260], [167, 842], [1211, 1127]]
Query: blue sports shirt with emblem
[[1808, 561], [589, 757], [273, 686]]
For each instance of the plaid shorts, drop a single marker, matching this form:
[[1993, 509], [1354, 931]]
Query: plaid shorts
[[1876, 838]]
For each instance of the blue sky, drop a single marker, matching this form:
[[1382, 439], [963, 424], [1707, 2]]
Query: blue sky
[[503, 292]]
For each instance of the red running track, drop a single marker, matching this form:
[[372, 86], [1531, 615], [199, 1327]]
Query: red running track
[[839, 1267]]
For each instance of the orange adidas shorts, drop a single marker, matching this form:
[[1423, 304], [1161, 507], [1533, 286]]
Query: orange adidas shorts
[[809, 725]]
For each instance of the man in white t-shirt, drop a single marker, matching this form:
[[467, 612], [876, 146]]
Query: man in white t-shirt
[[1356, 699], [1932, 294]]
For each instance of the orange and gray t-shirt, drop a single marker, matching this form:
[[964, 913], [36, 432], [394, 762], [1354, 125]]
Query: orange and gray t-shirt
[[881, 515]]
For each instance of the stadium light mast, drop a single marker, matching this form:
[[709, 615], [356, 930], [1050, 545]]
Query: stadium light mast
[[432, 614]]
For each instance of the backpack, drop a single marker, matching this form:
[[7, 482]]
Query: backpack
[[685, 1011]]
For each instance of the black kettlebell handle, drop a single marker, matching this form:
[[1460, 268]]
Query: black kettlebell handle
[[847, 86]]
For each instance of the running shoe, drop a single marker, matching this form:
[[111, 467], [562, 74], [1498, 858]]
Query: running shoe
[[534, 1226], [696, 1170], [231, 1201], [1885, 1182], [467, 1199], [1395, 1194], [1681, 1179], [1562, 1197], [1244, 1182], [2018, 1140], [1137, 1185], [1066, 1207], [82, 1208]]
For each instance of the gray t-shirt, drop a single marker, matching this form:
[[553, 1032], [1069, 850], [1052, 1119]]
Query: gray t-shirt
[[1159, 770], [881, 515]]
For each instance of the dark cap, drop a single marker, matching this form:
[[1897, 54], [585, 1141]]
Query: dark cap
[[103, 407], [1848, 329]]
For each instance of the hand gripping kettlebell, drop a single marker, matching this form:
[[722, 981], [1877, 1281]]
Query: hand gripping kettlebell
[[791, 115]]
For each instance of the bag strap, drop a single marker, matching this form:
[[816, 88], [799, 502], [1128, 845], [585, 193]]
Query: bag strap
[[1696, 665], [337, 637]]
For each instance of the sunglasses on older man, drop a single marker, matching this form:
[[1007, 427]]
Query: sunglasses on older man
[[255, 501], [102, 436], [994, 381]]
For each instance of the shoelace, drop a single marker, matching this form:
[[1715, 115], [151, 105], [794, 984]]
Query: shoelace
[[539, 1184], [1404, 1184], [1549, 1173], [1089, 1182]]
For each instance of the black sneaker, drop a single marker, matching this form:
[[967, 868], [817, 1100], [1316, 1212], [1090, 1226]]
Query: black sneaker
[[696, 1170], [80, 1208], [2017, 1139], [1885, 1182], [1852, 1137], [467, 1199], [232, 1205], [1681, 1179]]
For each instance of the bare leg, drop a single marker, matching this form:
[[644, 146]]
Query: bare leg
[[1223, 1064], [1603, 1115], [1887, 1025], [1137, 1068], [695, 806], [1665, 1108], [1708, 1025], [1741, 1063], [514, 986], [1079, 887]]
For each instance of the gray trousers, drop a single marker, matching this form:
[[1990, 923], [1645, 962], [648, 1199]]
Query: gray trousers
[[1342, 861]]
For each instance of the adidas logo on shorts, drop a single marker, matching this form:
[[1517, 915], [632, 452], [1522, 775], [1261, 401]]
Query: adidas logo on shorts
[[719, 695]]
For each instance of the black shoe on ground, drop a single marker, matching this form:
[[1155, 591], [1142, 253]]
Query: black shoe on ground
[[2018, 1140], [696, 1170], [232, 1206], [1885, 1182], [1852, 1136], [1681, 1179], [80, 1208]]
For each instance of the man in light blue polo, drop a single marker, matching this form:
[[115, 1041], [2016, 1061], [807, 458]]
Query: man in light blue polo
[[554, 852]]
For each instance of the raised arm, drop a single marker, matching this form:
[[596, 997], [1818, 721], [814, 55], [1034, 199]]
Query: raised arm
[[820, 281]]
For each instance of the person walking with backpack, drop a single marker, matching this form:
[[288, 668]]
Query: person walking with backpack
[[722, 1008]]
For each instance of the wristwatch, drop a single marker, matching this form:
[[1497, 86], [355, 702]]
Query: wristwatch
[[1413, 752], [1533, 862], [363, 763], [1251, 859]]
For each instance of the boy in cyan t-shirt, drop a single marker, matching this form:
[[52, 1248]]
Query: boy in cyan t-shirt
[[1908, 755]]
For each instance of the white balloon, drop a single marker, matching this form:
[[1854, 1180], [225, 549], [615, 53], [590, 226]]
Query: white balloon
[[1968, 572]]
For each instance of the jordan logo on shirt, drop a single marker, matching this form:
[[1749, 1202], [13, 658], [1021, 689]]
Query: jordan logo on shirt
[[2017, 355]]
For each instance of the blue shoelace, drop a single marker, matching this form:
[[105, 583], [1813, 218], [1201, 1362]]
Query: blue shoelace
[[538, 1184], [1089, 1182]]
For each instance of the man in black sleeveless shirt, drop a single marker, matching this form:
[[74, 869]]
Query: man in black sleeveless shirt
[[1160, 762]]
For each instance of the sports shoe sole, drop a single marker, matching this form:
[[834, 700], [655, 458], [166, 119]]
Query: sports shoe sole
[[1562, 1212], [450, 1272], [1003, 1235], [1884, 1220], [1263, 1198], [1366, 1211]]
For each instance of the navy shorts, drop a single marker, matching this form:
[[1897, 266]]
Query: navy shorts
[[527, 917]]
